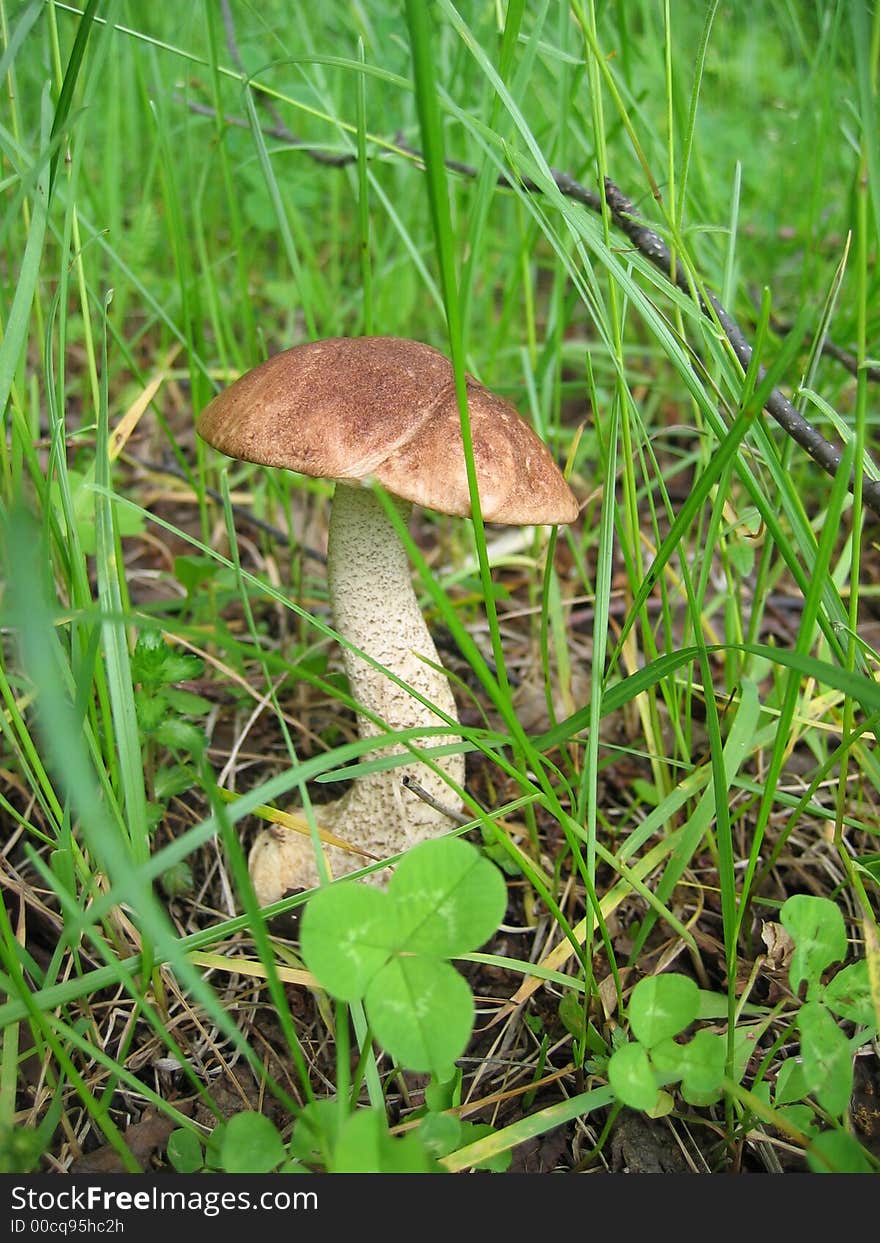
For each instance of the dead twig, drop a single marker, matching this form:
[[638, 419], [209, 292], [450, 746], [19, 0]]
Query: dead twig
[[648, 243]]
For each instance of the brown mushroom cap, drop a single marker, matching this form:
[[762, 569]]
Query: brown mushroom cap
[[355, 408]]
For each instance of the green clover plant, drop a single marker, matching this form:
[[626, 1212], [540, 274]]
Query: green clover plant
[[160, 705], [662, 1008], [824, 1070], [391, 949], [161, 708]]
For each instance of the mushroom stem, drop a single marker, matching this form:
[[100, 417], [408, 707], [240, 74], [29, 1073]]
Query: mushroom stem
[[375, 609]]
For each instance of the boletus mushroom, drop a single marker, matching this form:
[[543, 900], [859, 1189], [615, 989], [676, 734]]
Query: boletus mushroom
[[356, 409]]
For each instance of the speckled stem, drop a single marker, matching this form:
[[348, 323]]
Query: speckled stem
[[376, 610]]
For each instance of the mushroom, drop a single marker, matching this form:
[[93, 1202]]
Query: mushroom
[[356, 409]]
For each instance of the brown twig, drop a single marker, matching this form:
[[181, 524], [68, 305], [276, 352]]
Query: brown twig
[[846, 358], [648, 243], [280, 133]]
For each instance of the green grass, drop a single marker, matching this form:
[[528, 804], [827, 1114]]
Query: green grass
[[670, 706]]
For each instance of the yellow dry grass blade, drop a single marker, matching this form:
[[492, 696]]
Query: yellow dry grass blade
[[298, 824], [248, 967], [129, 421]]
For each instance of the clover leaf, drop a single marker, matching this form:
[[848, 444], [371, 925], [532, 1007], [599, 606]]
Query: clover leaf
[[391, 949]]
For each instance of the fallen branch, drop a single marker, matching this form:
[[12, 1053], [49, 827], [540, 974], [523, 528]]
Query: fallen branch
[[648, 243], [846, 358]]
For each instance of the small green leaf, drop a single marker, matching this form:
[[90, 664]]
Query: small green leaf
[[632, 1078], [496, 854], [445, 1094], [358, 1146], [422, 1012], [127, 521], [155, 816], [151, 710], [571, 1012], [184, 1151], [316, 1131], [791, 1083], [647, 791], [180, 736], [869, 866], [836, 1152], [156, 663], [745, 1041], [173, 779], [214, 1147], [594, 1041], [819, 933], [251, 1145], [827, 1058], [707, 1054], [668, 1056], [364, 1146], [187, 703], [180, 667], [742, 556], [662, 1006], [449, 898], [406, 1154], [664, 1105], [21, 1148], [347, 935], [440, 1133], [148, 658], [703, 1078], [177, 880], [800, 1115], [191, 571], [761, 1091], [699, 1064], [849, 995]]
